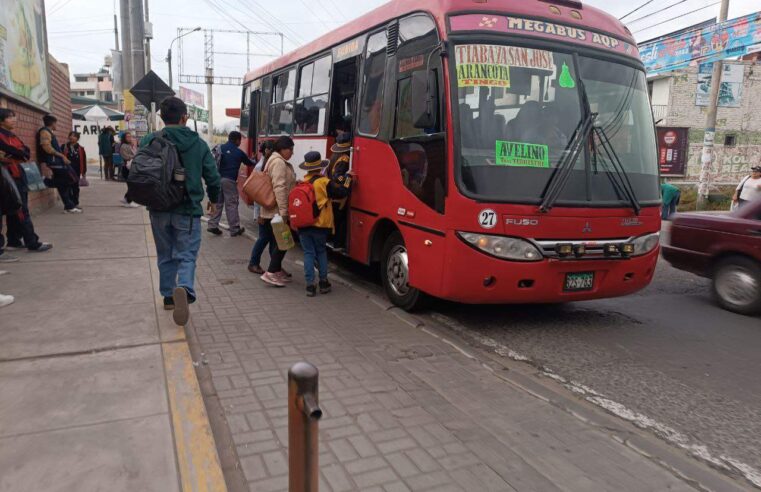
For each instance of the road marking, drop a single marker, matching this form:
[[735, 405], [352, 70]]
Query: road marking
[[642, 421]]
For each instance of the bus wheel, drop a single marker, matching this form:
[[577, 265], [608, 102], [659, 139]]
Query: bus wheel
[[395, 273]]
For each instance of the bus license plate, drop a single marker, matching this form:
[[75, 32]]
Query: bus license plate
[[575, 282]]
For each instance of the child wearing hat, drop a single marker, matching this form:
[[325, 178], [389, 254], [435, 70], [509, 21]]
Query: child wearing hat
[[338, 171], [314, 238]]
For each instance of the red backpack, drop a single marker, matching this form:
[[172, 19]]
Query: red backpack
[[302, 205]]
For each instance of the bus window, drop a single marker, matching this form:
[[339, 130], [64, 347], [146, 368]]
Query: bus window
[[311, 107], [245, 110], [281, 110], [264, 106], [372, 94], [418, 31]]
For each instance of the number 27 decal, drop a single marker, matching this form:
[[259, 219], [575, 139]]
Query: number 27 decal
[[487, 219]]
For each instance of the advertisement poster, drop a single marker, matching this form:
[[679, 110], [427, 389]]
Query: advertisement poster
[[735, 37], [673, 145], [23, 51], [192, 97], [730, 94]]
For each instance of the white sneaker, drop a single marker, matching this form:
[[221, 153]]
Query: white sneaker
[[76, 210], [3, 272], [70, 211], [133, 205], [5, 300]]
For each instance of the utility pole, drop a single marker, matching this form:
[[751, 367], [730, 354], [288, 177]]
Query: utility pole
[[208, 36], [148, 31], [127, 77], [116, 34], [710, 133], [137, 37]]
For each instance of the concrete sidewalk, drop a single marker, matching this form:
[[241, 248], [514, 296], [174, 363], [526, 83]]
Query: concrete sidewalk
[[405, 408], [97, 384]]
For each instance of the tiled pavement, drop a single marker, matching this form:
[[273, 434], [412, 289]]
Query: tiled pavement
[[402, 409]]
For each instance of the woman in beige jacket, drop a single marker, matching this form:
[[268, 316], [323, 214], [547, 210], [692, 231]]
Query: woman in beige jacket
[[283, 178]]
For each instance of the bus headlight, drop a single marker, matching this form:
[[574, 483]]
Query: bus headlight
[[509, 248], [645, 244]]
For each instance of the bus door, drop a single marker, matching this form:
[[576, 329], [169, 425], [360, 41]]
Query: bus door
[[343, 96]]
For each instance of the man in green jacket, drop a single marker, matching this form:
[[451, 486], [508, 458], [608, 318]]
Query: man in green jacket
[[177, 233]]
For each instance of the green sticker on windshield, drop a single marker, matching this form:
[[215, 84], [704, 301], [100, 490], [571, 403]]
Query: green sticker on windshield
[[522, 154], [566, 79]]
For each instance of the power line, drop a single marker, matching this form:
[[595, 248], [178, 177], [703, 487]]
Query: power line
[[637, 9], [59, 7], [656, 12], [677, 17]]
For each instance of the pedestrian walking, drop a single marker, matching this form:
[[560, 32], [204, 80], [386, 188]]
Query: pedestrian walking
[[311, 212], [671, 195], [13, 153], [230, 160], [127, 151], [106, 150], [749, 188], [177, 233], [338, 171], [50, 154], [78, 158], [264, 239], [283, 178]]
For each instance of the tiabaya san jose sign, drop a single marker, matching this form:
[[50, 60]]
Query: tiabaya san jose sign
[[488, 65]]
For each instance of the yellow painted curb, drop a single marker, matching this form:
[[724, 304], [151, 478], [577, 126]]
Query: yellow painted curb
[[200, 470]]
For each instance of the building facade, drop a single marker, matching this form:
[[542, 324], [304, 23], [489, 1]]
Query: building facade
[[679, 100]]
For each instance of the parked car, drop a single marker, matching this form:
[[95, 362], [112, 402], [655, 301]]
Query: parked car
[[725, 248]]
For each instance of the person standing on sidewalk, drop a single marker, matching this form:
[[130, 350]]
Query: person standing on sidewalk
[[254, 265], [127, 151], [749, 188], [13, 152], [177, 233], [49, 153], [78, 158], [283, 178], [229, 166], [106, 151], [314, 238]]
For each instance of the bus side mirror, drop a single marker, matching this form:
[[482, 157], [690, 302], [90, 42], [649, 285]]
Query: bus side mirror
[[423, 107]]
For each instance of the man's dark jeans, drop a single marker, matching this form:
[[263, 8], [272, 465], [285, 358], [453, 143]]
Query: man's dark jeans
[[20, 227]]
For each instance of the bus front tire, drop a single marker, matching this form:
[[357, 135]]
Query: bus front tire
[[395, 275]]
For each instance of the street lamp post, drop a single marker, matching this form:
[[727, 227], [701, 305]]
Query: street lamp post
[[169, 52]]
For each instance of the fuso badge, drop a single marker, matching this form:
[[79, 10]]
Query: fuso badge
[[487, 219]]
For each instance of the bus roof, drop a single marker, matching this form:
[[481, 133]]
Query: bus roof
[[592, 18]]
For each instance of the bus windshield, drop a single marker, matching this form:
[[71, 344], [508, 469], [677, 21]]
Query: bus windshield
[[519, 109]]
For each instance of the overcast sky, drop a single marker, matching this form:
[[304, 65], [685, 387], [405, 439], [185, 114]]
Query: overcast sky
[[80, 32]]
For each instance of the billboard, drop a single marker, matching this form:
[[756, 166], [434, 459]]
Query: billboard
[[23, 52], [192, 97], [731, 91], [735, 37], [673, 145]]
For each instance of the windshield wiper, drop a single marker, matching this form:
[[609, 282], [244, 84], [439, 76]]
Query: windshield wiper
[[559, 178], [618, 167]]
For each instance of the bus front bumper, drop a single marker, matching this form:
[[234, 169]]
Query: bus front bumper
[[473, 277]]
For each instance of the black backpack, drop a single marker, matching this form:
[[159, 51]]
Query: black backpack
[[151, 181]]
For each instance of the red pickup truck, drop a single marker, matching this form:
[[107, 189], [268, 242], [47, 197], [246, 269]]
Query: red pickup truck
[[725, 248]]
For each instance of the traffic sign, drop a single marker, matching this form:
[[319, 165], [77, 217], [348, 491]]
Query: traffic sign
[[151, 89]]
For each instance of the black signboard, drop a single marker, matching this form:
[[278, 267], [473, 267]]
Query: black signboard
[[151, 89], [673, 146]]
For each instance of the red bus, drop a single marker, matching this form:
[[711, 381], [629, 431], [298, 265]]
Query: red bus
[[504, 150]]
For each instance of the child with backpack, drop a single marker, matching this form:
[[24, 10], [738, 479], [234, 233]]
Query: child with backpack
[[310, 212]]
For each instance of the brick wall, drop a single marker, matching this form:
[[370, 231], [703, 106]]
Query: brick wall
[[30, 120], [682, 110]]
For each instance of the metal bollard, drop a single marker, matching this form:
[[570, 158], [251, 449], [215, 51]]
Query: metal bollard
[[303, 415]]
